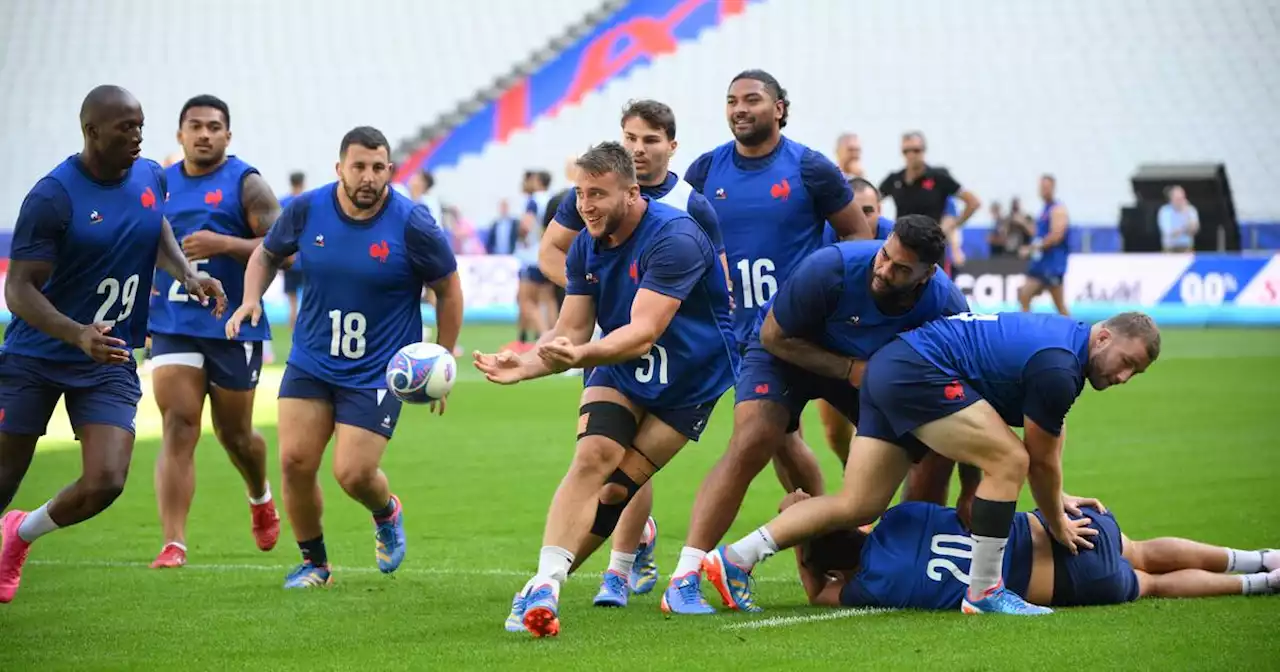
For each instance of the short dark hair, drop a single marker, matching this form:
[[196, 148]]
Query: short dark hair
[[923, 235], [206, 100], [772, 86], [1137, 325], [297, 178], [608, 157], [919, 135], [657, 115], [365, 136], [428, 179], [860, 183]]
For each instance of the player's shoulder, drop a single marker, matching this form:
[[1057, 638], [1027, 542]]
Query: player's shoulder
[[859, 249]]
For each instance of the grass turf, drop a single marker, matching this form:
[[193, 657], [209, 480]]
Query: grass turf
[[1187, 450]]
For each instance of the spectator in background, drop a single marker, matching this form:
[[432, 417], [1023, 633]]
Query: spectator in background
[[922, 189], [849, 155], [999, 235], [1179, 221], [502, 236], [536, 295], [420, 185]]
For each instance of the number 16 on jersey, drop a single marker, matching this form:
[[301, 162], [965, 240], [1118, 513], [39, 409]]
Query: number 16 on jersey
[[757, 282]]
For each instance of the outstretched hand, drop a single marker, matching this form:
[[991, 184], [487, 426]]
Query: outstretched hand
[[503, 368]]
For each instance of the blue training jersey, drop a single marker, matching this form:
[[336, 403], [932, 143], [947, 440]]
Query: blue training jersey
[[772, 212], [918, 557], [364, 282], [1023, 364], [884, 227], [205, 203], [828, 301], [1053, 260], [695, 360], [102, 239]]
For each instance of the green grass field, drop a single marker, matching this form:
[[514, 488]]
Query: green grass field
[[1189, 449]]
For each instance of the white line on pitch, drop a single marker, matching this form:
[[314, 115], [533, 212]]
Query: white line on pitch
[[782, 621], [206, 567]]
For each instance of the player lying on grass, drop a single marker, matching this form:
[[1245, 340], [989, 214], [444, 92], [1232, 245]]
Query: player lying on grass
[[918, 557], [651, 276], [955, 386]]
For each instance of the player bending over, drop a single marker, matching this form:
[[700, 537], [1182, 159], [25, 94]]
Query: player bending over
[[956, 386], [89, 237], [919, 556], [219, 207], [649, 274], [366, 252]]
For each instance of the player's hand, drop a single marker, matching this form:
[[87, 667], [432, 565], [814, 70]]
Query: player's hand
[[246, 311], [202, 245], [437, 406], [503, 368], [203, 287], [1024, 252], [792, 499], [1072, 533], [103, 349], [1071, 504], [560, 354], [858, 368]]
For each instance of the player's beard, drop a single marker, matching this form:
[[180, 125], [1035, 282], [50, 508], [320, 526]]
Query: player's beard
[[613, 221], [360, 196], [756, 135]]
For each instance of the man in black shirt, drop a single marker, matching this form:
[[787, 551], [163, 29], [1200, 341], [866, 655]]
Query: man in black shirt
[[921, 189]]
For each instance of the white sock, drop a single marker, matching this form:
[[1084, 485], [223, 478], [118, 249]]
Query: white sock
[[178, 544], [1258, 583], [1271, 560], [266, 496], [622, 562], [37, 524], [988, 561], [1244, 562], [690, 562], [752, 549], [554, 563]]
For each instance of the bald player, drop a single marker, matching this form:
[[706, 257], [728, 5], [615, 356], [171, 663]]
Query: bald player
[[88, 238]]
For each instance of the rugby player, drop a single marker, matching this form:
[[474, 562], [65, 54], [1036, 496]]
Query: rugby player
[[1048, 251]]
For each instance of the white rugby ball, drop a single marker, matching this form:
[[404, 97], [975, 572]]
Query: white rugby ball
[[420, 373]]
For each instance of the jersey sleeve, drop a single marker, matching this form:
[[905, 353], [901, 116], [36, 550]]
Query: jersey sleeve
[[697, 173], [1053, 380], [948, 185], [826, 184], [282, 238], [855, 595], [954, 302], [705, 215], [886, 186], [428, 246], [675, 263], [575, 267], [810, 294], [162, 179], [567, 213], [42, 222]]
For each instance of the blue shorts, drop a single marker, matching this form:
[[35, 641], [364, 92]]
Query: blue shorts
[[96, 394], [292, 280], [901, 391], [374, 410], [230, 365], [1096, 576], [1049, 277], [688, 420], [764, 376], [533, 274]]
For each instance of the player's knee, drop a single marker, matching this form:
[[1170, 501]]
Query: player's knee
[[102, 488], [354, 477], [298, 464], [1011, 466], [603, 420], [617, 492], [237, 441], [182, 425]]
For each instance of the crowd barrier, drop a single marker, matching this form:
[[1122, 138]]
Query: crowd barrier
[[1175, 289]]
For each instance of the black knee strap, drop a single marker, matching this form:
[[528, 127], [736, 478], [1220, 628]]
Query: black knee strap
[[607, 419], [608, 515]]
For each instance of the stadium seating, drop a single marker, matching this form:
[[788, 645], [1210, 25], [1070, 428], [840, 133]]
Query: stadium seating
[[297, 73], [1005, 90]]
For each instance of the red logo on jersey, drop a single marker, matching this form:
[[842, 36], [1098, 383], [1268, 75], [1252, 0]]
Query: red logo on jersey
[[149, 199], [213, 198], [781, 190], [380, 251], [928, 184], [953, 391], [1, 415], [634, 272], [762, 388]]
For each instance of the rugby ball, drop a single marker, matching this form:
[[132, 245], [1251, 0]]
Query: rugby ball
[[421, 373]]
